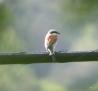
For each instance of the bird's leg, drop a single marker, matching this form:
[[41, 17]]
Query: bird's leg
[[53, 58]]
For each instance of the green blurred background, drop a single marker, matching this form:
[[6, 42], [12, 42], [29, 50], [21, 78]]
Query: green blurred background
[[23, 25]]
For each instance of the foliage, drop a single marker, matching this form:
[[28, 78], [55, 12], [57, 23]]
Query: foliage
[[9, 41], [51, 86], [78, 12], [5, 17], [80, 6]]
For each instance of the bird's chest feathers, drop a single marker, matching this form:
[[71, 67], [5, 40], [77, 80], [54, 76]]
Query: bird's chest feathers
[[52, 38]]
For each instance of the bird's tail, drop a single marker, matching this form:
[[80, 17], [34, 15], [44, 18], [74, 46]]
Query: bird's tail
[[53, 58], [52, 54]]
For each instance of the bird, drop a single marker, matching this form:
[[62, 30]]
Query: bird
[[51, 40]]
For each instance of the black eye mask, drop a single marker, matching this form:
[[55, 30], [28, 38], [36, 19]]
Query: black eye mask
[[54, 32]]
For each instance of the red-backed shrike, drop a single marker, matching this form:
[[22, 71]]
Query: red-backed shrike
[[50, 40]]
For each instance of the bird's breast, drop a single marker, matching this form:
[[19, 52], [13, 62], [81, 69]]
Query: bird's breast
[[52, 38]]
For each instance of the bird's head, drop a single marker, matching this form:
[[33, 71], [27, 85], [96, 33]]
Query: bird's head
[[53, 31]]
